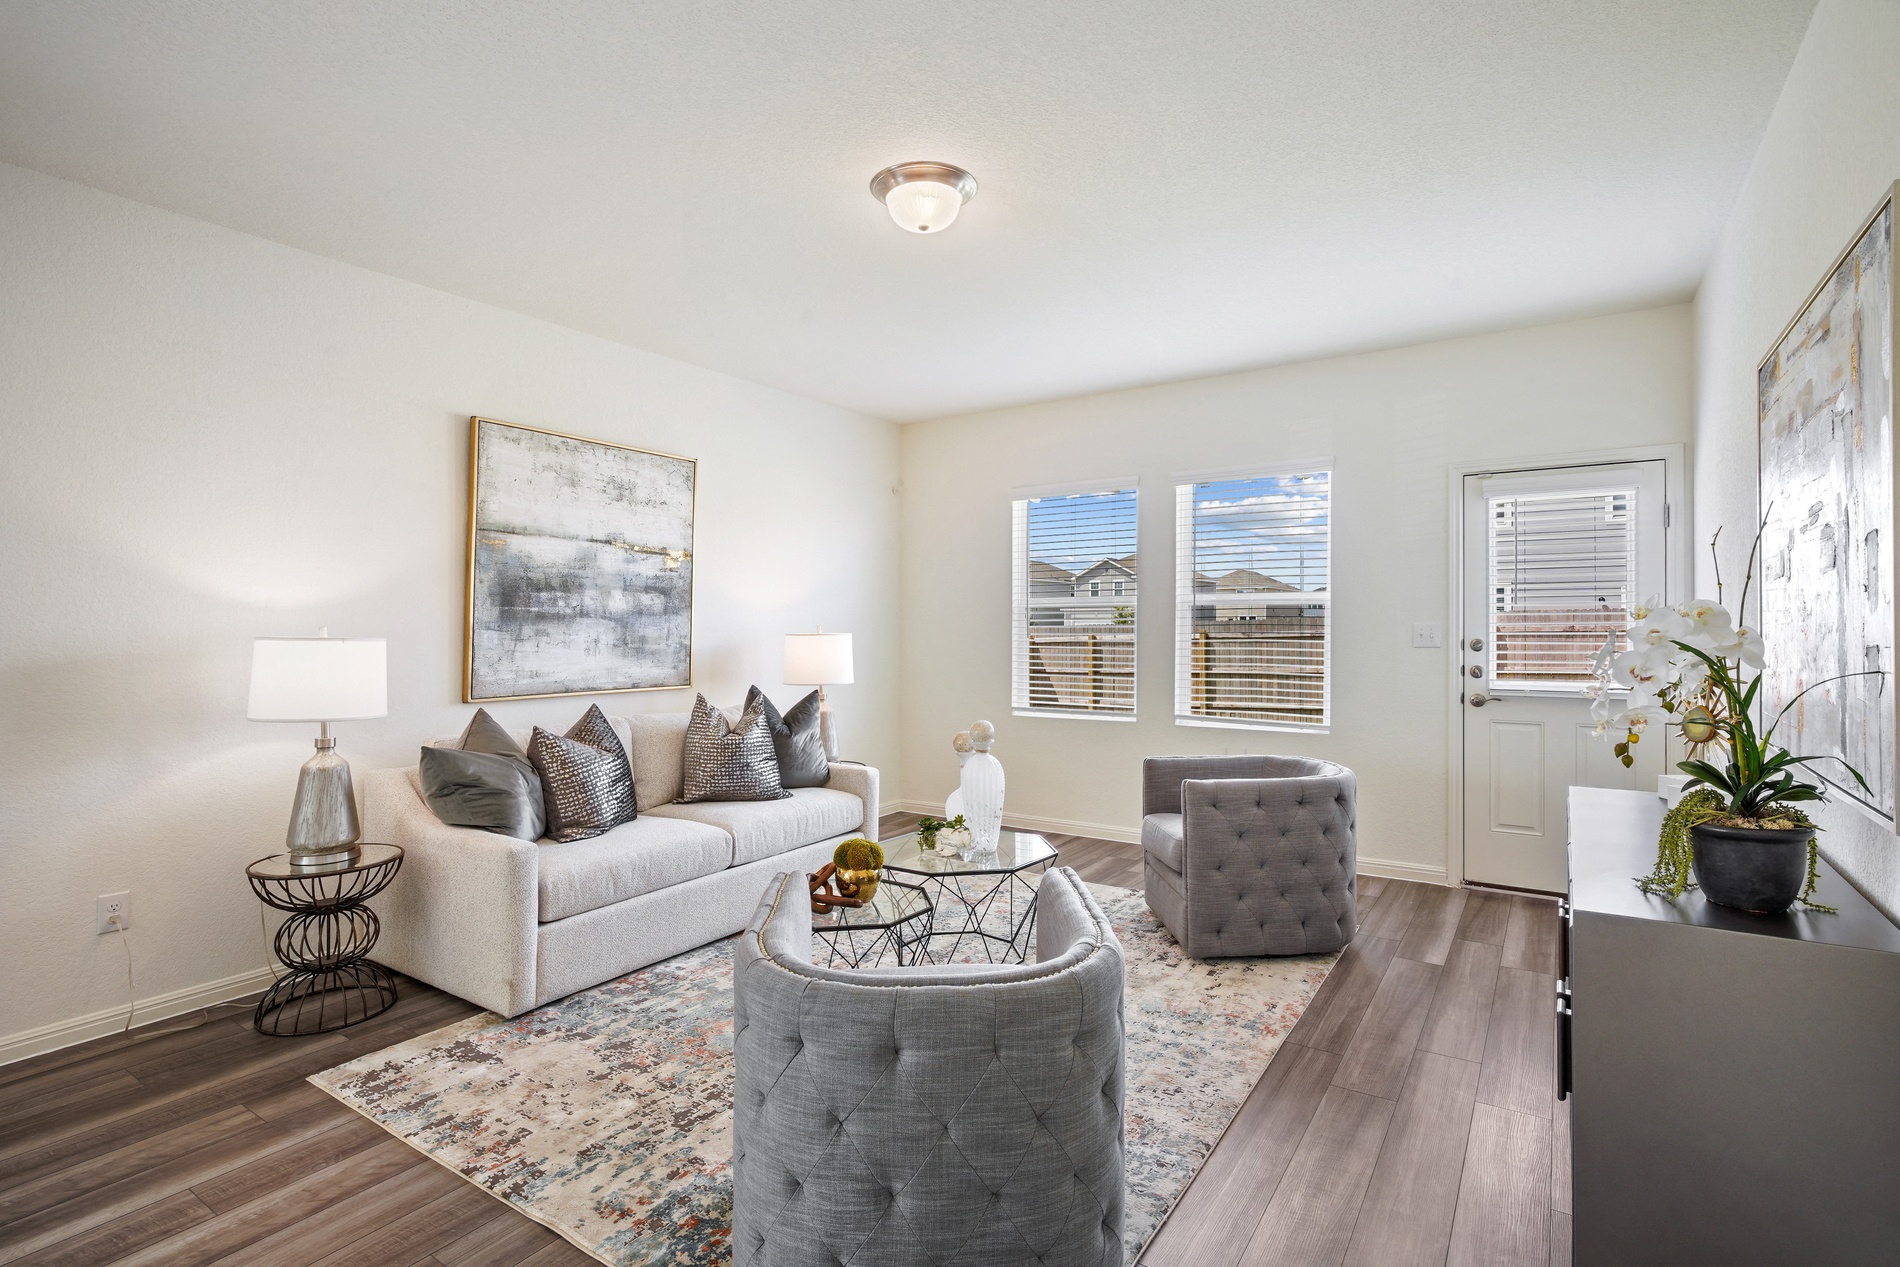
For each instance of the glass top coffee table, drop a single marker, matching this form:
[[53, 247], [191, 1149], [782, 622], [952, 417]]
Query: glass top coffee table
[[986, 906], [897, 919]]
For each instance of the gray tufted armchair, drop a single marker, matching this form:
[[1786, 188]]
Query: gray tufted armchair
[[965, 1114], [1250, 855]]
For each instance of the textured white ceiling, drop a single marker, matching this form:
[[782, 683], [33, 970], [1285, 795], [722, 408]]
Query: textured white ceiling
[[1168, 189]]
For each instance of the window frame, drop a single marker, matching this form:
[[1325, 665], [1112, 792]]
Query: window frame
[[1019, 624], [1184, 484]]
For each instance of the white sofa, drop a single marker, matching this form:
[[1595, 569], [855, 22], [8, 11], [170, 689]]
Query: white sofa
[[512, 924]]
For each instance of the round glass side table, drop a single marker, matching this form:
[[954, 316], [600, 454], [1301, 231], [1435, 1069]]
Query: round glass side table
[[325, 944]]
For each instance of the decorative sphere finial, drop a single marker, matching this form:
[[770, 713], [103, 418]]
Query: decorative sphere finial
[[960, 742], [982, 735]]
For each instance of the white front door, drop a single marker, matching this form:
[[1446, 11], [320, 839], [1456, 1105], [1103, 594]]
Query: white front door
[[1553, 561]]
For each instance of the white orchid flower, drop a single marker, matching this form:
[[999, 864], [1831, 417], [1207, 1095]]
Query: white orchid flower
[[1742, 644], [1654, 625], [1690, 674], [1638, 717], [1641, 669], [1709, 624]]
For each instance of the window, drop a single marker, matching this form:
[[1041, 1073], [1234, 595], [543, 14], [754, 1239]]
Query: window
[[1563, 567], [1253, 601], [1073, 640]]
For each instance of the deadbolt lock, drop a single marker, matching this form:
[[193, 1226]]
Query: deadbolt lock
[[1476, 644]]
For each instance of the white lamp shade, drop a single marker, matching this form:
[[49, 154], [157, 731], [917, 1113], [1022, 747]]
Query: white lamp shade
[[319, 679], [923, 206], [818, 659]]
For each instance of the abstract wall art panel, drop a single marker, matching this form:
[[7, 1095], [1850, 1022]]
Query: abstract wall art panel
[[580, 565], [1825, 397]]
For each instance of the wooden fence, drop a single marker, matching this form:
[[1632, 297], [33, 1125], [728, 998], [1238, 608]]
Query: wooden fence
[[1269, 669], [1553, 644], [1084, 668]]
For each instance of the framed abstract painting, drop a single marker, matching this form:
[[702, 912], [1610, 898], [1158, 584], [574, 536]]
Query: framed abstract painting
[[580, 565], [1825, 415]]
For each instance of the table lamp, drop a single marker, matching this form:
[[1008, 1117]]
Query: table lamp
[[321, 679], [820, 659]]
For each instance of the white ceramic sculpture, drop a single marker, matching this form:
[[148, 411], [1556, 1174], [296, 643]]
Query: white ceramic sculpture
[[960, 744], [981, 797]]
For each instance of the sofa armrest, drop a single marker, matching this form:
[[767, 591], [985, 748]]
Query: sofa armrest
[[461, 913], [861, 782]]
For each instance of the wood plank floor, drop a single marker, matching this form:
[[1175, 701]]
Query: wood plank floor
[[1412, 1116], [1409, 1119]]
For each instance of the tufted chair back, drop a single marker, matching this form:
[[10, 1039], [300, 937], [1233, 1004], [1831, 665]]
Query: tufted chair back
[[966, 1115], [1267, 858]]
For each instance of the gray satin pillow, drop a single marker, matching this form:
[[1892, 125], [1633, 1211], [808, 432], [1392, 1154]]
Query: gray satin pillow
[[585, 778], [795, 737], [487, 782], [727, 762]]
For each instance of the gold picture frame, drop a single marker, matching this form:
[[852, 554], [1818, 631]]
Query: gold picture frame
[[600, 586]]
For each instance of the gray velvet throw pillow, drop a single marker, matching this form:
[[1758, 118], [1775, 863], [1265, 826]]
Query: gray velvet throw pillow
[[486, 782], [731, 763], [585, 779], [795, 737]]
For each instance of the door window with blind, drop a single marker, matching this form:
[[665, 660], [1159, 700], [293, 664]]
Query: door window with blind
[[1073, 641], [1253, 601], [1567, 557]]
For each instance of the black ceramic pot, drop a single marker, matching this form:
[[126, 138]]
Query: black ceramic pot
[[1750, 868]]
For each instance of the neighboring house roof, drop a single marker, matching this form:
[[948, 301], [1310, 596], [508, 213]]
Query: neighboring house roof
[[1107, 567], [1041, 573], [1248, 579]]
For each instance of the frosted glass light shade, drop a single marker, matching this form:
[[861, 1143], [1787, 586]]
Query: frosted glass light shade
[[924, 206], [818, 659], [319, 679]]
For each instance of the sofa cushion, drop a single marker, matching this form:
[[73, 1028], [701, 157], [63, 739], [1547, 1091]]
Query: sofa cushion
[[634, 858], [1161, 836], [760, 829], [727, 761], [658, 750]]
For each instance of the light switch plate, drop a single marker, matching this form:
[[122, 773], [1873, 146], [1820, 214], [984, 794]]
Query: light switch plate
[[1425, 634]]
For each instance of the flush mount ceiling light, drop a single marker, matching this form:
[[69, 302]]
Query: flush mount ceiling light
[[923, 197]]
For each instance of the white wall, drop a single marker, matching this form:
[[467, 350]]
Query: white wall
[[1394, 423], [1831, 149], [210, 437]]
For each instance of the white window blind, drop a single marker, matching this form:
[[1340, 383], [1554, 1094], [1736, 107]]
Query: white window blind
[[1253, 600], [1562, 566], [1073, 640]]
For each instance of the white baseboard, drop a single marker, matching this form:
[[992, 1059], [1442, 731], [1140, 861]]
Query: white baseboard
[[1386, 867], [1401, 870], [1037, 823], [45, 1038]]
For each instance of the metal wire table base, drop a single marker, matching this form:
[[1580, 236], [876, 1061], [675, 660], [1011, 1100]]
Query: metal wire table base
[[316, 1001], [325, 944], [967, 906]]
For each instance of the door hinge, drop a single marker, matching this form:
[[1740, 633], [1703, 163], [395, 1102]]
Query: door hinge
[[1666, 509]]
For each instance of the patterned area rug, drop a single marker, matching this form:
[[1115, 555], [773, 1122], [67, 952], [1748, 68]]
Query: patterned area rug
[[607, 1116]]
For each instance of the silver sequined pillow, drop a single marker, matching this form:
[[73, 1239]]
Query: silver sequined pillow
[[586, 782], [731, 763]]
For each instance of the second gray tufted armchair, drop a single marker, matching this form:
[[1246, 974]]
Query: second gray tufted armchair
[[964, 1115], [1250, 855]]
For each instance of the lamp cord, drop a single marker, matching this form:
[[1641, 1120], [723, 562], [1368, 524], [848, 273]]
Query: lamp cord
[[132, 995]]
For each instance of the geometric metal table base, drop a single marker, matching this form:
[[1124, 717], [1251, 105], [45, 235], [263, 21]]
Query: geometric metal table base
[[981, 907], [896, 922], [325, 944]]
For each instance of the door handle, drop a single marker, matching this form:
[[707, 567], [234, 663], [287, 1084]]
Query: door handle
[[1479, 699]]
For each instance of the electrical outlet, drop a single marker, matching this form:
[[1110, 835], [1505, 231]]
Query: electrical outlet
[[1425, 634], [111, 904]]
